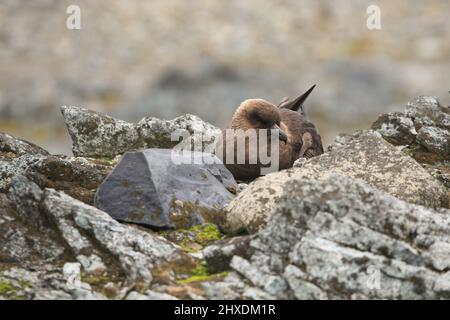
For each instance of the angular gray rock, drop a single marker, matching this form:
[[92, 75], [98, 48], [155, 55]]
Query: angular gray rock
[[100, 136], [339, 238], [365, 156], [149, 188]]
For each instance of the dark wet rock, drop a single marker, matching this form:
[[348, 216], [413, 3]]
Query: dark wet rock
[[218, 255], [149, 188], [339, 238], [11, 147], [364, 155], [98, 135]]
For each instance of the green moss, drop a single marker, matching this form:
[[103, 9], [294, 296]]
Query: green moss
[[201, 273], [207, 233], [195, 238], [9, 291], [7, 287], [189, 246], [95, 280]]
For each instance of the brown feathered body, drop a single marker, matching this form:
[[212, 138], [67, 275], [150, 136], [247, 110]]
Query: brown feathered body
[[298, 137], [303, 138]]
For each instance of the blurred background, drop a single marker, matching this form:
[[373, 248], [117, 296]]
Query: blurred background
[[164, 58]]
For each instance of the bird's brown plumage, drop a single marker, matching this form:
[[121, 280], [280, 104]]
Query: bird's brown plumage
[[298, 137]]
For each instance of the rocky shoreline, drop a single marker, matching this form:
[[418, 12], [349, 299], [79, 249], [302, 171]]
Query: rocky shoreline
[[368, 219]]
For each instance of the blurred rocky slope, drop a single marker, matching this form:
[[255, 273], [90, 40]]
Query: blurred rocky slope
[[166, 58]]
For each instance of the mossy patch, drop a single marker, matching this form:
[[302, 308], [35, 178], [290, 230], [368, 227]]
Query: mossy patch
[[95, 280], [195, 238], [206, 233], [11, 291], [201, 273]]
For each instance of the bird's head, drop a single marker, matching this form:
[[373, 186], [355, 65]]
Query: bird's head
[[258, 114]]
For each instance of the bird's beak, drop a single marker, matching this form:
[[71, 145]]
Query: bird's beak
[[282, 135]]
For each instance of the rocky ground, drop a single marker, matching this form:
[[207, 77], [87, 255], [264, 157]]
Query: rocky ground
[[368, 219]]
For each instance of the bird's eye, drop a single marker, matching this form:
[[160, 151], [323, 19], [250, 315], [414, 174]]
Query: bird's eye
[[296, 147]]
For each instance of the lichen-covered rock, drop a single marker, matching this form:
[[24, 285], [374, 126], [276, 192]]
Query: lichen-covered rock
[[97, 135], [435, 140], [339, 238], [365, 156], [45, 282], [100, 136], [150, 188], [424, 127], [396, 128], [11, 147], [78, 177], [22, 242], [90, 232], [423, 130], [157, 133]]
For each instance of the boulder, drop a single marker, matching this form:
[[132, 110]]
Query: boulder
[[149, 188], [11, 147], [22, 242], [365, 155], [435, 140], [93, 237], [423, 128], [340, 238], [157, 133], [78, 177], [423, 131], [100, 136]]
